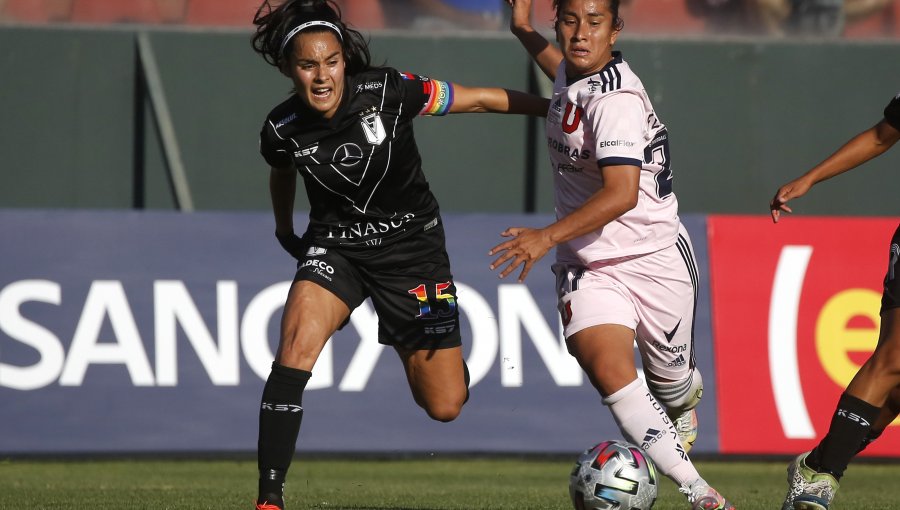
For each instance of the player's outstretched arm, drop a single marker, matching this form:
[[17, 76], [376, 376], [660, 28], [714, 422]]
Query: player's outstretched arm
[[546, 55], [497, 100], [527, 245], [861, 148]]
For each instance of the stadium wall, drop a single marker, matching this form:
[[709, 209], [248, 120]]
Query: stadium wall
[[743, 116]]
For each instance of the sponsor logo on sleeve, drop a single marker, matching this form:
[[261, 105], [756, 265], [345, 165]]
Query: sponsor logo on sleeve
[[285, 120], [372, 85]]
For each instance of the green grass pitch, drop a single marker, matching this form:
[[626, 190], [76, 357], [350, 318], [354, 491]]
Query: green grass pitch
[[432, 483]]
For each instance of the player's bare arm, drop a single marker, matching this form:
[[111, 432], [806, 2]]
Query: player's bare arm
[[861, 148], [546, 55], [618, 196], [497, 100], [282, 189]]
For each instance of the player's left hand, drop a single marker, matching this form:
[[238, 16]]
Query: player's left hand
[[527, 246]]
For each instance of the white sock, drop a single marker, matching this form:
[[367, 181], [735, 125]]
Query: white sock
[[643, 421]]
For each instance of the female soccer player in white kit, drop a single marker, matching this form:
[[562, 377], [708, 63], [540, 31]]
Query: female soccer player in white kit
[[624, 264]]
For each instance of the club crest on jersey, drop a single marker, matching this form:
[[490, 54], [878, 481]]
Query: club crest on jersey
[[373, 128], [572, 118]]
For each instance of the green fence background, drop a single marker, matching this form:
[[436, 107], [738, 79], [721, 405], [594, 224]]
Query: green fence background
[[743, 116]]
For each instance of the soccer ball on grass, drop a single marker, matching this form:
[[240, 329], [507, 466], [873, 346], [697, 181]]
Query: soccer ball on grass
[[613, 475]]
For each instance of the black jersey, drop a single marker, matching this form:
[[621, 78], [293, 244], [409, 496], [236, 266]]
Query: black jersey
[[362, 169], [892, 112]]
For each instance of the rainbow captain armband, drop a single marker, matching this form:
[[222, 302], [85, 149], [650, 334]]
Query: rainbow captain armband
[[439, 97]]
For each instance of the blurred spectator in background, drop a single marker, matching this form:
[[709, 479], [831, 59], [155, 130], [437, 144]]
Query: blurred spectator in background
[[443, 14], [828, 17], [855, 10], [36, 10], [816, 17], [784, 17], [172, 11], [94, 11], [863, 18], [742, 16]]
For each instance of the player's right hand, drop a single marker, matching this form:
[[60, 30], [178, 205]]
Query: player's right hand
[[292, 244], [793, 189], [527, 246]]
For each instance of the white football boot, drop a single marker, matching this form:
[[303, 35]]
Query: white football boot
[[807, 488], [703, 497]]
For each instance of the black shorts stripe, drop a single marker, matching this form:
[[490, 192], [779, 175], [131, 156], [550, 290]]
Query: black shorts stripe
[[687, 255], [577, 277]]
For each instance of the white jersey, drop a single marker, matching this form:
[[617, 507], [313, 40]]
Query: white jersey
[[601, 120]]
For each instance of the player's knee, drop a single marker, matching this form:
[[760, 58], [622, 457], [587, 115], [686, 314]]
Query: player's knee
[[446, 406], [444, 411], [678, 396], [886, 360]]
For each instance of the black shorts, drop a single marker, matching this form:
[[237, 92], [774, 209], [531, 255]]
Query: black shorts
[[409, 281], [891, 296]]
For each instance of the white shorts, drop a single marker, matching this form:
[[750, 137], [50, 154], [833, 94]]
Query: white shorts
[[653, 294]]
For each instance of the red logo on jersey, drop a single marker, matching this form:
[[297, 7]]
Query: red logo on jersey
[[571, 118]]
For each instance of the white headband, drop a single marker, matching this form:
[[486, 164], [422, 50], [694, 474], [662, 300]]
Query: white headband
[[308, 24]]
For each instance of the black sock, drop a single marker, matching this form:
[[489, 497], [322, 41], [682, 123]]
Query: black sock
[[869, 439], [280, 415], [850, 425]]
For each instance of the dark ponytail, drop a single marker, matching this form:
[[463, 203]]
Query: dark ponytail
[[274, 23]]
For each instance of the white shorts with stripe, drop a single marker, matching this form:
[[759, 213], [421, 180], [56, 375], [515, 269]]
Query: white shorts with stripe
[[653, 294]]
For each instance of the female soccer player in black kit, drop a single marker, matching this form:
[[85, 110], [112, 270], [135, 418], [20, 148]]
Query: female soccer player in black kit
[[872, 400], [374, 225]]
